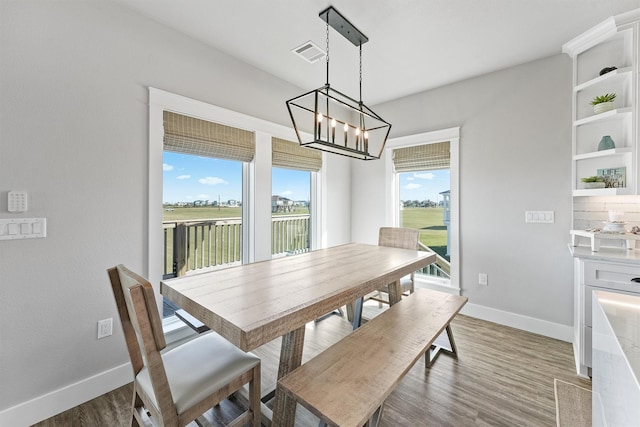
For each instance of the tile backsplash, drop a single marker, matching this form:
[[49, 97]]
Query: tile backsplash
[[590, 212]]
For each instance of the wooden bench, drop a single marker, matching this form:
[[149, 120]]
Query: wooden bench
[[347, 384]]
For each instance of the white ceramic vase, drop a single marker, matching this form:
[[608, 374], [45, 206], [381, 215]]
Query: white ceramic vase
[[590, 185], [603, 106]]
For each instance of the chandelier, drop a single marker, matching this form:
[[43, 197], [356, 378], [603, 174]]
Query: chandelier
[[338, 123]]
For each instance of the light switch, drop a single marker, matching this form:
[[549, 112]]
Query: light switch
[[12, 229], [22, 228], [541, 217]]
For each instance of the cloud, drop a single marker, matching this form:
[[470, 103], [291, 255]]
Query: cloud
[[167, 167], [212, 180], [426, 175], [286, 193], [410, 178], [203, 196], [183, 177], [412, 186]]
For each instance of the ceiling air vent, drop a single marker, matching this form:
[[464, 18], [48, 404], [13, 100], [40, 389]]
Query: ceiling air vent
[[309, 51]]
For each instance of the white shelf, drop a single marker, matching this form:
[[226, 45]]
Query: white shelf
[[601, 192], [617, 114], [604, 153], [610, 77]]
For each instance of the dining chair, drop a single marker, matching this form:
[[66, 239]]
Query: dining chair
[[403, 238], [177, 386], [395, 237]]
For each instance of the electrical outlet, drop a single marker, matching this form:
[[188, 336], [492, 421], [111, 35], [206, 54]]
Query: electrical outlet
[[105, 328], [483, 279]]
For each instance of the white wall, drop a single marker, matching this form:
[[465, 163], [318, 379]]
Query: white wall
[[515, 155], [74, 135]]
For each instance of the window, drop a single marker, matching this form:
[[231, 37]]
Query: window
[[424, 205], [202, 203], [291, 177], [202, 195], [290, 216], [423, 181], [256, 172]]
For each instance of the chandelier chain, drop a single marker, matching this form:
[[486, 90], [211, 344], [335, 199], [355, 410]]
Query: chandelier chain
[[361, 73], [327, 51]]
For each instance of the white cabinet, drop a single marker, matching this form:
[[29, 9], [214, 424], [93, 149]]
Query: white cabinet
[[590, 275], [613, 43]]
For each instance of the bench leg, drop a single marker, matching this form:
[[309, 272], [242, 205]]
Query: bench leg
[[433, 353]]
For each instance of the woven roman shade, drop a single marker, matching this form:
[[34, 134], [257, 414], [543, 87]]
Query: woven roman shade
[[287, 154], [422, 157], [188, 135]]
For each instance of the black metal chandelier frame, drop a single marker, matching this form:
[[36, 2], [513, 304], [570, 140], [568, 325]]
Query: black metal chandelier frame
[[361, 127]]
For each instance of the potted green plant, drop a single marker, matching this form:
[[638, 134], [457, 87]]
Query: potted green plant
[[602, 103], [593, 182]]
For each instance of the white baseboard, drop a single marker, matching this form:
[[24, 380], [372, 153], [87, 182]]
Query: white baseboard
[[518, 321], [55, 402]]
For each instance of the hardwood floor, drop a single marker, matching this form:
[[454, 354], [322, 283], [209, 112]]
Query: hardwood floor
[[502, 377]]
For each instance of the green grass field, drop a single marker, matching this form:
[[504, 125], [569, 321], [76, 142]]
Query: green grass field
[[210, 212], [433, 232]]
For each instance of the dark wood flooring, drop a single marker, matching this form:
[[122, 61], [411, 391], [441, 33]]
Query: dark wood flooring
[[503, 377]]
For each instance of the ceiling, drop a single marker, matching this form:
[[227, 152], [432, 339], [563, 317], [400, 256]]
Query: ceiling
[[414, 45]]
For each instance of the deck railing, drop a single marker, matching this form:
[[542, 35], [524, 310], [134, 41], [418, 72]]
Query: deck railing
[[440, 269], [197, 244]]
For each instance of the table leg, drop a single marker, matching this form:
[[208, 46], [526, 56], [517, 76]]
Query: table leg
[[284, 408], [357, 313], [395, 292], [351, 307]]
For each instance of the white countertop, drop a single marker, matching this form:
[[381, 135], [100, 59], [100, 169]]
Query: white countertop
[[623, 313], [630, 256]]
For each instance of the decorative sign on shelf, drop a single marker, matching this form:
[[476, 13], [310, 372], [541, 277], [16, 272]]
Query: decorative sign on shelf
[[614, 177]]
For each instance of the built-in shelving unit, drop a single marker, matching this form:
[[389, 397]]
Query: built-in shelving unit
[[613, 43]]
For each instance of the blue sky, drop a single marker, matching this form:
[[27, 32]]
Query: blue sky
[[424, 185], [188, 178]]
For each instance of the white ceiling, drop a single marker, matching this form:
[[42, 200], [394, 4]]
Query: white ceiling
[[413, 45]]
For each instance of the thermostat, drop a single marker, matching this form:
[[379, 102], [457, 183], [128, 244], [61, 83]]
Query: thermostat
[[17, 201]]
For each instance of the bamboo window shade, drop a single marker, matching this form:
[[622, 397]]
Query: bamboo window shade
[[188, 135], [422, 157], [288, 154]]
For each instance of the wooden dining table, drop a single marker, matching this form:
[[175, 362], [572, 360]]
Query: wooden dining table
[[253, 304]]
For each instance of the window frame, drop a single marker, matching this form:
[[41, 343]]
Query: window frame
[[392, 190]]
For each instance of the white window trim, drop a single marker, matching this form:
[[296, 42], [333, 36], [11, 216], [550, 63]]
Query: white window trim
[[392, 190], [254, 177]]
